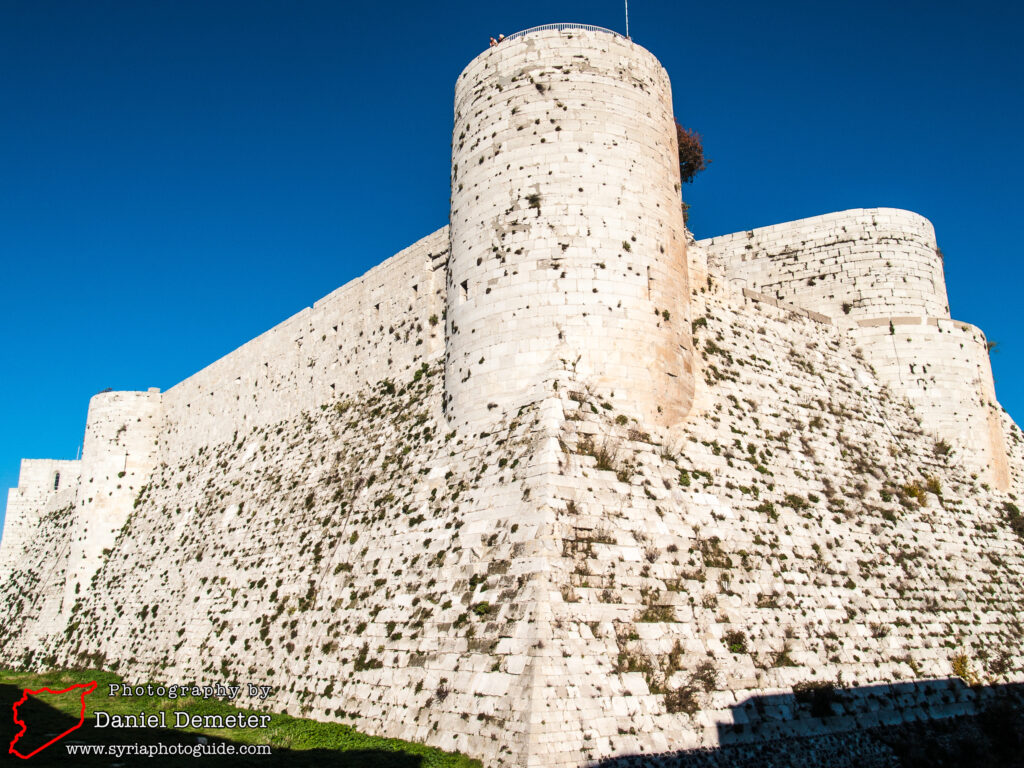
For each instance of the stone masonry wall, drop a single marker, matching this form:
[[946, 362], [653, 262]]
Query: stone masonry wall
[[872, 271], [865, 263], [358, 558], [385, 323], [566, 228], [119, 453], [800, 531], [943, 367], [34, 495], [572, 584], [34, 549], [382, 324], [579, 574]]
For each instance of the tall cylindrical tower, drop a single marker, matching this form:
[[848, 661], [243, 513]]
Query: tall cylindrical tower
[[567, 238]]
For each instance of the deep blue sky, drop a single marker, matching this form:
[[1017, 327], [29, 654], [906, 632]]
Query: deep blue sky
[[176, 177]]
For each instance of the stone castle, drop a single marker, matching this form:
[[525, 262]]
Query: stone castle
[[557, 483]]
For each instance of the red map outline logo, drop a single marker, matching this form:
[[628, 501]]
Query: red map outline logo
[[87, 689]]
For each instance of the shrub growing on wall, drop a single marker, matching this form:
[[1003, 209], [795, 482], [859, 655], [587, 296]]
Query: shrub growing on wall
[[691, 154], [691, 160]]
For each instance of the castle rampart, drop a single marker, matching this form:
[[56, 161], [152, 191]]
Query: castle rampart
[[942, 366], [380, 325], [878, 273], [119, 453], [566, 229], [43, 484], [34, 549], [554, 580], [864, 263]]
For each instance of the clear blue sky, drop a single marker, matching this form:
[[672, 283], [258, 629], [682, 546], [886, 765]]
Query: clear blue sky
[[178, 176]]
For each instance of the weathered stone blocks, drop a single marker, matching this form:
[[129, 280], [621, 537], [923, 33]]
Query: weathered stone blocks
[[862, 263], [335, 510], [568, 247]]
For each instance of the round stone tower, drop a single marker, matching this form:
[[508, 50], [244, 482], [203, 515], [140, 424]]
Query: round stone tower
[[567, 237]]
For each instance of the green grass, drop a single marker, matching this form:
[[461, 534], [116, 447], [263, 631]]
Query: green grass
[[324, 743]]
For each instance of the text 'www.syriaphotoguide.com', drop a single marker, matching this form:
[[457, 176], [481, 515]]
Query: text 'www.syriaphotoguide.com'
[[160, 750]]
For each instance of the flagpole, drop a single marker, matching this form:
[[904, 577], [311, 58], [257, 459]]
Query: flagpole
[[627, 19]]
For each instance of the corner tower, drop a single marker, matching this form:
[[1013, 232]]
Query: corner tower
[[878, 273], [567, 237], [119, 454]]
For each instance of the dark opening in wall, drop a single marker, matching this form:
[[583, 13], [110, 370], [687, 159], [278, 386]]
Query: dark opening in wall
[[464, 290], [56, 480]]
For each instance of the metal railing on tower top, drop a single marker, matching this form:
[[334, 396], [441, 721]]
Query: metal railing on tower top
[[559, 27]]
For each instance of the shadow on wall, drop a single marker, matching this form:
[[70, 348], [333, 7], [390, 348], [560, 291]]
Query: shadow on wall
[[45, 722], [903, 725]]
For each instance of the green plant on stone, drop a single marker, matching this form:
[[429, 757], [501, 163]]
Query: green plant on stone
[[735, 641]]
